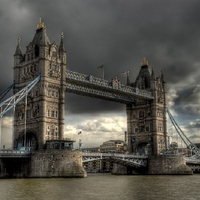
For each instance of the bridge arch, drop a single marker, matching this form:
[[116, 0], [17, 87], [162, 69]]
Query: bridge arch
[[30, 137], [141, 147]]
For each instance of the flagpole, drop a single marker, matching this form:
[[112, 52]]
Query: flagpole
[[102, 67]]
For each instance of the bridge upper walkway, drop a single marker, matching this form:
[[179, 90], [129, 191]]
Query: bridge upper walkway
[[89, 85]]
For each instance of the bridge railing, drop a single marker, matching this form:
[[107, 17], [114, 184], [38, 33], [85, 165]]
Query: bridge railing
[[14, 153], [113, 155]]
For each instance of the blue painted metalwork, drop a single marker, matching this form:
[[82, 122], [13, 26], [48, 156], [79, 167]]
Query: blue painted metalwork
[[125, 159], [9, 103], [4, 92]]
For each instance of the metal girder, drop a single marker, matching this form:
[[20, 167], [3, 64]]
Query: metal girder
[[124, 159], [9, 103], [99, 88]]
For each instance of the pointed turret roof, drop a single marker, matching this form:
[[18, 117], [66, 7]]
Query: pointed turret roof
[[40, 37], [145, 73], [18, 50], [162, 76], [61, 47]]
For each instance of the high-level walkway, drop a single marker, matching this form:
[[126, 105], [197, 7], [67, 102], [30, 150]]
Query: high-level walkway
[[91, 86]]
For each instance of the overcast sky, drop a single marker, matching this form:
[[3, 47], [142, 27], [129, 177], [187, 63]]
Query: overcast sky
[[118, 34]]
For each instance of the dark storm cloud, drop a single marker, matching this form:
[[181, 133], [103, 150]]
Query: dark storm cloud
[[113, 32]]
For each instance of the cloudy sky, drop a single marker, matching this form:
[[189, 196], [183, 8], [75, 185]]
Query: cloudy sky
[[117, 34]]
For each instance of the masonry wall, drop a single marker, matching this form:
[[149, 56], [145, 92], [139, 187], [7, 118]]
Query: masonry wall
[[44, 163], [168, 164], [57, 163]]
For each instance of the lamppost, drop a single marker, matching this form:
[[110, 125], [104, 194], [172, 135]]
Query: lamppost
[[80, 141]]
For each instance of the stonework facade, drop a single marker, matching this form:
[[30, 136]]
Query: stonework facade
[[45, 104], [146, 119]]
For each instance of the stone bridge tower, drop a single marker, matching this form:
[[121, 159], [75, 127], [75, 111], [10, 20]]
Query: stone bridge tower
[[146, 120], [43, 109]]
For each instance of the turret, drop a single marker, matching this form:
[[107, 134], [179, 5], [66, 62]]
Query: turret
[[18, 53], [62, 51]]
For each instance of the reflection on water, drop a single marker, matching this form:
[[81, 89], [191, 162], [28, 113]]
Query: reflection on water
[[103, 187]]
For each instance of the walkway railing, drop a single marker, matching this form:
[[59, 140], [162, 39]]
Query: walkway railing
[[14, 153]]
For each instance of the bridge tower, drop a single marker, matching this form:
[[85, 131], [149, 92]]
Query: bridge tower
[[146, 119], [40, 116]]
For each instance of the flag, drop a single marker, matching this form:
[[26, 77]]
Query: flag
[[101, 66], [79, 133]]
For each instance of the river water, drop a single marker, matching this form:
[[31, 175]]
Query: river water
[[103, 187]]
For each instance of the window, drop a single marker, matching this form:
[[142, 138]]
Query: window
[[48, 113], [52, 113], [141, 114], [56, 114]]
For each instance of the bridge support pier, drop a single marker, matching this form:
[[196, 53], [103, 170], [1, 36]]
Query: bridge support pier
[[44, 163], [127, 170], [168, 164]]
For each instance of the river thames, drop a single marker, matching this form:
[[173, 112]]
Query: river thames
[[103, 187]]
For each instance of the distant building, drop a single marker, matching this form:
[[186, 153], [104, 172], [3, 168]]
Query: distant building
[[111, 146], [116, 146], [91, 149]]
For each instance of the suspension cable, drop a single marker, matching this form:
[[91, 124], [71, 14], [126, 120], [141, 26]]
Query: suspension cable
[[16, 98], [186, 140], [5, 92]]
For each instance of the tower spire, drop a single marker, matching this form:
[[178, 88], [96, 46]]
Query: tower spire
[[61, 47], [44, 39], [41, 24], [145, 62], [152, 73], [162, 76], [18, 48]]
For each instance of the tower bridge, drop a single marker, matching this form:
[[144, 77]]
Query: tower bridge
[[39, 114]]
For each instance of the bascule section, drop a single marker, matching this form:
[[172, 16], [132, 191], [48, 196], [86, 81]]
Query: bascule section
[[146, 119], [40, 116]]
